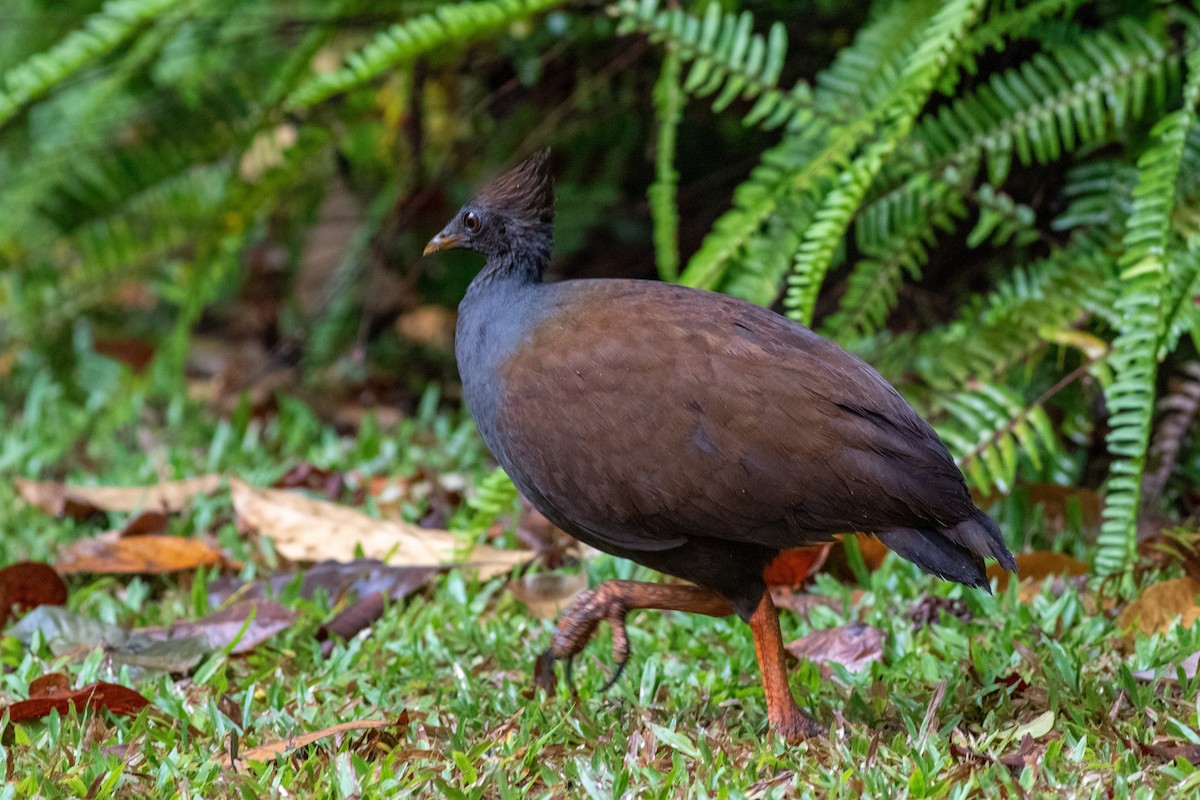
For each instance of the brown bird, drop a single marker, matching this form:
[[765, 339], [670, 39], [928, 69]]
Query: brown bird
[[691, 432]]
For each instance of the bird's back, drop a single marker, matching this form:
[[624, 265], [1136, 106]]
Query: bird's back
[[643, 414]]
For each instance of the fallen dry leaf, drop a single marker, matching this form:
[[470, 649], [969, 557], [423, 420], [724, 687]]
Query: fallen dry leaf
[[305, 529], [29, 584], [337, 579], [136, 555], [268, 752], [854, 646], [1172, 749], [1160, 606], [802, 603], [796, 565], [221, 628], [545, 594], [82, 501], [109, 696]]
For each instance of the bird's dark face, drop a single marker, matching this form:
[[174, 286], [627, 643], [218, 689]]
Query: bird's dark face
[[512, 212], [472, 228]]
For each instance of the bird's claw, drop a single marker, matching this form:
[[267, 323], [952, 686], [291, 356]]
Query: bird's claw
[[579, 622]]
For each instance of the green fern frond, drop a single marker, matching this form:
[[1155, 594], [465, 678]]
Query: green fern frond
[[755, 274], [449, 25], [1005, 21], [1052, 104], [894, 238], [668, 102], [1146, 266], [900, 107], [728, 59], [864, 72], [115, 23], [989, 429]]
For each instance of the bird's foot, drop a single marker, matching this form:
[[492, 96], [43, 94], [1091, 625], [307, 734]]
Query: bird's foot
[[612, 601], [580, 620]]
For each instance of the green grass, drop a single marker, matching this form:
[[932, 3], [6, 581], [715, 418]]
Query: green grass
[[686, 720]]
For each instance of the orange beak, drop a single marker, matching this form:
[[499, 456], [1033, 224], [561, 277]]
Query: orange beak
[[443, 241]]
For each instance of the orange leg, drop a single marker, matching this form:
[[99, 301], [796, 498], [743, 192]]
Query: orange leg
[[612, 600], [782, 711]]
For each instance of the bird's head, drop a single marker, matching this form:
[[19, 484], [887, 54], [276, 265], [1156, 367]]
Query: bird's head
[[512, 215]]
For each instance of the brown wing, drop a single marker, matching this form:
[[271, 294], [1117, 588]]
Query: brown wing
[[727, 422]]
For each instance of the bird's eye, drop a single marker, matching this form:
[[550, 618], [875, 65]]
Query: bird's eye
[[471, 222]]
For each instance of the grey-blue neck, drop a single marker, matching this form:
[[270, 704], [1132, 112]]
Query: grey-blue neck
[[502, 306]]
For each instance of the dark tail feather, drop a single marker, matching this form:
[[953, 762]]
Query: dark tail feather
[[955, 553]]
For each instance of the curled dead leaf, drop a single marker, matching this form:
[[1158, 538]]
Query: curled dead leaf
[[854, 646], [1035, 567], [82, 501], [148, 554], [304, 529]]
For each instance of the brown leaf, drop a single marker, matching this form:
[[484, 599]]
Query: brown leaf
[[801, 603], [28, 584], [135, 353], [270, 751], [305, 529], [854, 646], [1173, 749], [1160, 606], [136, 554], [796, 565], [220, 628], [337, 579], [349, 622], [545, 594], [83, 501], [1035, 567], [1027, 754], [146, 523], [110, 696], [308, 476]]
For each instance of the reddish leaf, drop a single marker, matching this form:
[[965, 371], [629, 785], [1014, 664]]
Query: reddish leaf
[[109, 696], [137, 554], [28, 584], [795, 566], [135, 353], [50, 685]]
